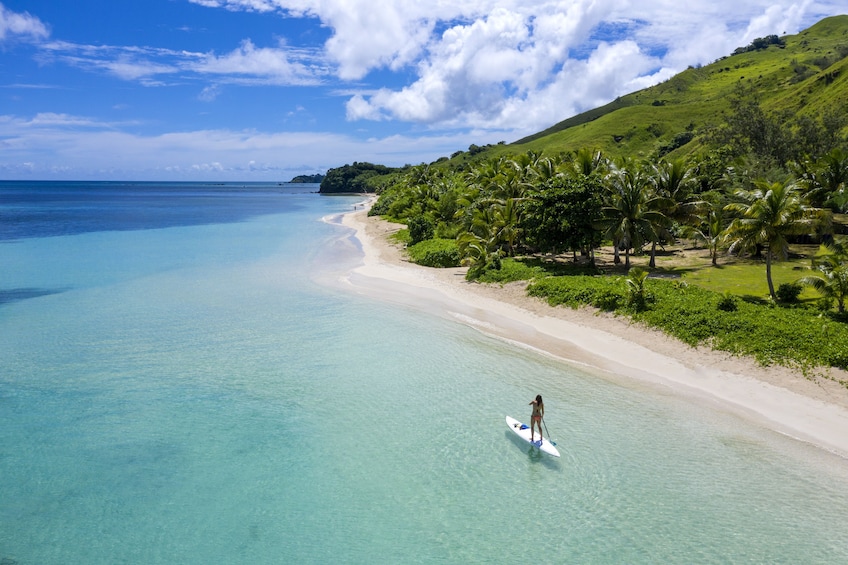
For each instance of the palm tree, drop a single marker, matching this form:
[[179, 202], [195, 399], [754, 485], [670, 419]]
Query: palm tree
[[832, 262], [477, 253], [505, 225], [588, 161], [710, 230], [637, 294], [676, 181], [632, 213], [825, 178], [770, 213]]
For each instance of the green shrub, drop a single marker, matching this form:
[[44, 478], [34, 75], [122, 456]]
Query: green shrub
[[511, 270], [420, 229], [638, 296], [788, 293], [448, 231], [607, 300], [727, 303], [435, 253], [401, 236], [791, 336], [573, 291], [381, 206], [825, 303]]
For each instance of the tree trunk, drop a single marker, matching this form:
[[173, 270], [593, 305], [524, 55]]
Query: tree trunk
[[653, 262], [768, 274]]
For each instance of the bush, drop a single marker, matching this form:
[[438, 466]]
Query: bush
[[509, 270], [727, 303], [420, 229], [825, 303], [381, 207], [788, 293], [435, 253], [575, 291], [607, 300], [798, 337]]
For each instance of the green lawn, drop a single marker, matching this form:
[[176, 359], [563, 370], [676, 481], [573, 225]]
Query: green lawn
[[748, 278]]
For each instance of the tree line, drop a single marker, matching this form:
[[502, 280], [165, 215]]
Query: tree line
[[738, 197]]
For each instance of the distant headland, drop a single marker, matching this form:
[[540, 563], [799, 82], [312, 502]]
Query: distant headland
[[307, 179]]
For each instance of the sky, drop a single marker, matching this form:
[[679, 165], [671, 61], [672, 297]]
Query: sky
[[263, 90]]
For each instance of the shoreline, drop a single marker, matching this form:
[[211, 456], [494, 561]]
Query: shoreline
[[812, 410]]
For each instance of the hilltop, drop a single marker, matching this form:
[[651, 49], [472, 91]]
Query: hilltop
[[797, 76], [747, 155], [795, 85]]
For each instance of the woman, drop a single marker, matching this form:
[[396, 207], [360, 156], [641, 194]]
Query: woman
[[536, 417]]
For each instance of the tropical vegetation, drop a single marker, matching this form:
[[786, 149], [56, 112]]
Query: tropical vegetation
[[753, 173]]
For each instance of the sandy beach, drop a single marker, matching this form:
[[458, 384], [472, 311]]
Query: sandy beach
[[811, 409]]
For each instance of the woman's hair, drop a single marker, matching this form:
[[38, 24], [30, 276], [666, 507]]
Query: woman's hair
[[539, 399]]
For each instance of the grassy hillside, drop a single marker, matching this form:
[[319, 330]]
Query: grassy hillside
[[807, 75], [774, 108]]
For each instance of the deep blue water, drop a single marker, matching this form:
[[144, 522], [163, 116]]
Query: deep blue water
[[45, 209]]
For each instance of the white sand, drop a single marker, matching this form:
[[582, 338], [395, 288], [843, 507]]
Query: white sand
[[812, 409]]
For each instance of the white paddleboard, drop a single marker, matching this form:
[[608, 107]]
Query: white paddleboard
[[523, 431]]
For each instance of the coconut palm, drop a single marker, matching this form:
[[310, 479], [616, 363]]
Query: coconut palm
[[825, 178], [505, 225], [632, 213], [832, 262], [676, 181], [477, 253], [637, 294], [588, 161], [769, 214], [710, 230]]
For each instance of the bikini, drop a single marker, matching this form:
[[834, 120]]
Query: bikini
[[537, 413]]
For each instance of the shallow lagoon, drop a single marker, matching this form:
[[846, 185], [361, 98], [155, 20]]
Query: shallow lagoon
[[185, 391]]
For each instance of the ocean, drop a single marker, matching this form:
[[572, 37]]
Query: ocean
[[178, 384]]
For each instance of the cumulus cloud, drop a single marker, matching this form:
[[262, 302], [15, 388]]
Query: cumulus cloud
[[21, 25], [465, 64], [467, 71]]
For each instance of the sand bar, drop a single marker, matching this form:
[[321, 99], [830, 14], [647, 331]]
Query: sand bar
[[813, 409]]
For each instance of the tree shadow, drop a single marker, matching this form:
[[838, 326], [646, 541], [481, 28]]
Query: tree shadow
[[558, 267]]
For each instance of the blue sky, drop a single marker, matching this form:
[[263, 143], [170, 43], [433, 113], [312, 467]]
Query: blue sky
[[268, 89]]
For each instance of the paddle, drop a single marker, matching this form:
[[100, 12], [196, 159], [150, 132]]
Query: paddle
[[547, 432]]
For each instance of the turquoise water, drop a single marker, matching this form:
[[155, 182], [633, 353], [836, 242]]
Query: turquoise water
[[184, 391]]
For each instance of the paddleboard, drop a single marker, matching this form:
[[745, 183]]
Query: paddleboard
[[523, 431]]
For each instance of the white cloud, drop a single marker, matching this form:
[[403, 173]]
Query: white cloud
[[64, 146], [368, 35], [235, 5], [529, 65], [462, 71], [487, 63], [472, 63], [247, 64], [209, 93], [21, 25], [248, 60]]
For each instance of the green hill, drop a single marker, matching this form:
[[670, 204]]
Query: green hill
[[798, 75], [763, 168]]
